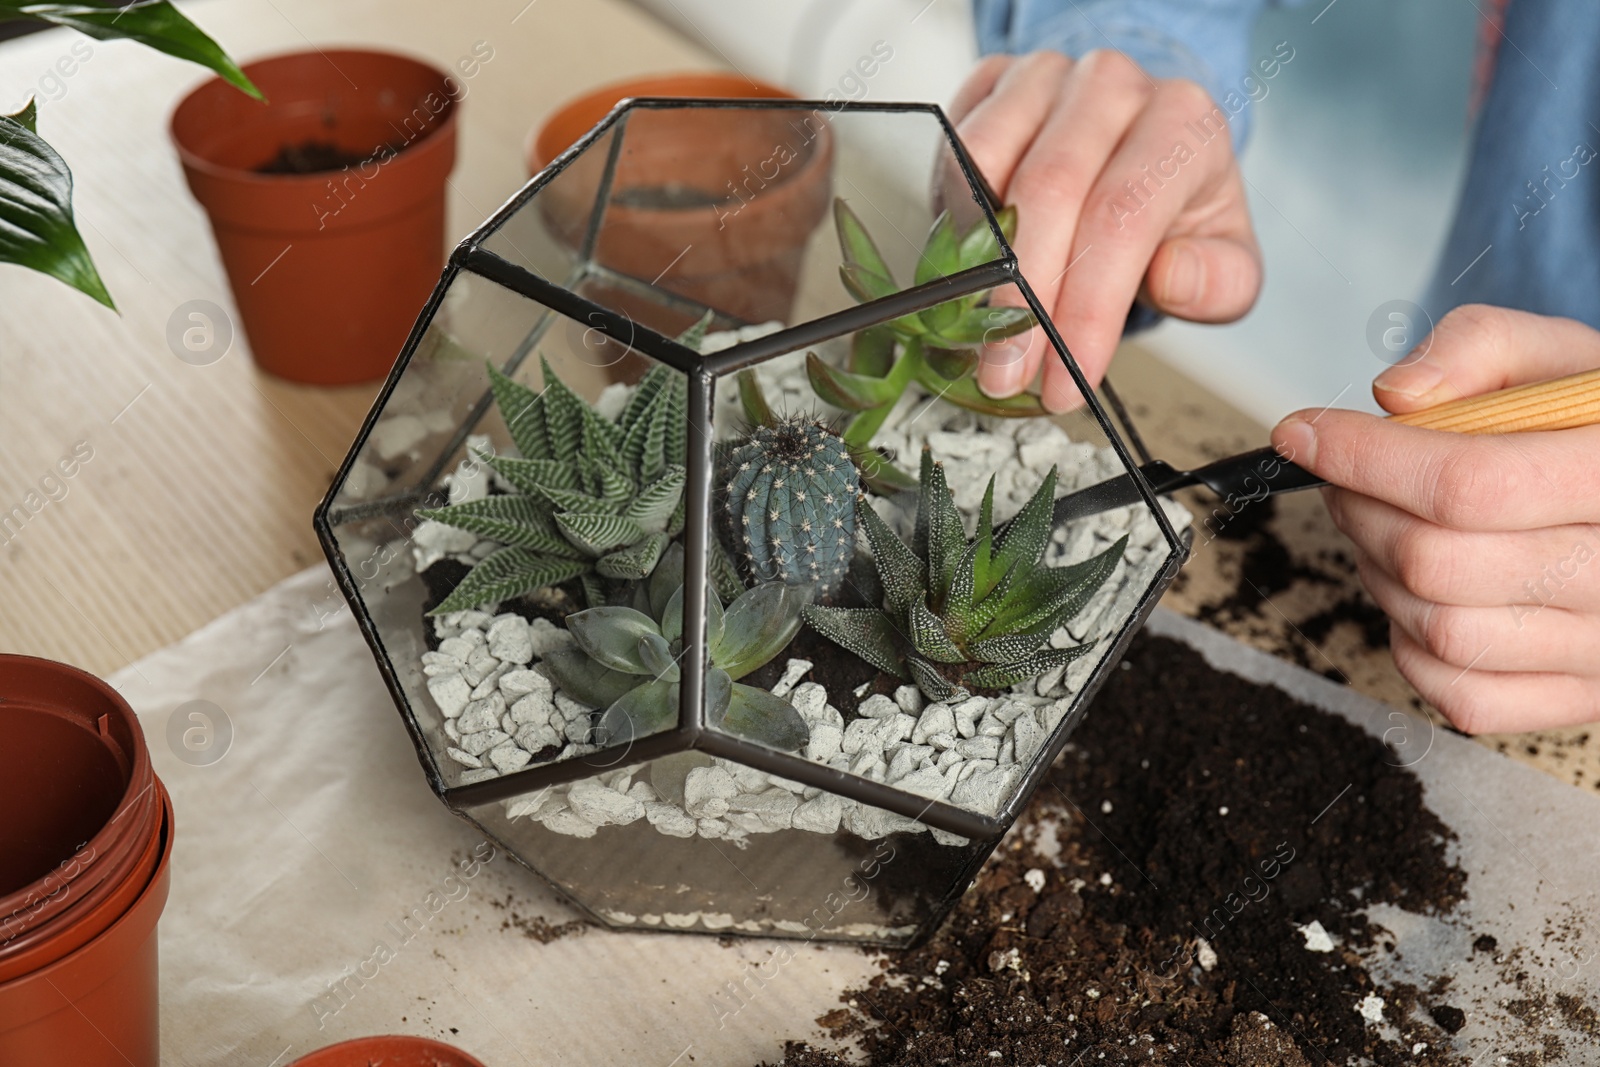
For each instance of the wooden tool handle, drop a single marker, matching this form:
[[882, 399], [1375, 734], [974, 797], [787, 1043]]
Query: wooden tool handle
[[1558, 404]]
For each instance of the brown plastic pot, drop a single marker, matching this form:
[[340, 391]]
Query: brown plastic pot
[[329, 269], [96, 1006], [76, 790], [392, 1050], [737, 250]]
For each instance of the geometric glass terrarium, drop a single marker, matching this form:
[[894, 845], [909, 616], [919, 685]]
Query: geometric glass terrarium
[[703, 577]]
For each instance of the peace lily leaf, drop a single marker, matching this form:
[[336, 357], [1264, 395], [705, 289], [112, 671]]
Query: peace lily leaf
[[37, 229], [28, 116], [155, 23]]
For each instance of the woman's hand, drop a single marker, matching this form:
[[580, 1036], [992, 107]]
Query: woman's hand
[[1482, 550], [1124, 184]]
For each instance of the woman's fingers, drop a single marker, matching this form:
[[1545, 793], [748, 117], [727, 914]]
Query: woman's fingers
[[1477, 349], [1478, 701]]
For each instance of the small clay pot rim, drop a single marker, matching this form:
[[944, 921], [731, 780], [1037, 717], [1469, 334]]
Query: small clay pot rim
[[113, 840], [444, 126], [541, 147], [360, 1052]]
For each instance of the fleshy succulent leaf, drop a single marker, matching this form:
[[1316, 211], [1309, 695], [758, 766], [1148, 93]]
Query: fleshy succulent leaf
[[610, 635], [758, 626], [940, 537], [695, 335], [842, 389], [756, 715], [866, 285], [657, 500], [865, 632], [904, 576], [586, 681], [949, 364], [941, 255], [533, 475], [1000, 675], [1023, 541], [978, 244], [511, 520], [988, 325], [928, 635], [1059, 593], [934, 685], [1008, 647], [563, 416], [665, 581], [656, 654], [598, 533], [507, 573], [964, 393], [718, 695], [856, 244], [753, 400], [635, 561], [524, 414], [642, 711], [872, 351], [672, 620], [880, 474]]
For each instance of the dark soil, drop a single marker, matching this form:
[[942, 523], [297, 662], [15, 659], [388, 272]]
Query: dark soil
[[840, 673], [1191, 804], [445, 574], [313, 157]]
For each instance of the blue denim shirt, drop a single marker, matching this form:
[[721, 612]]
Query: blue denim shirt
[[1526, 232]]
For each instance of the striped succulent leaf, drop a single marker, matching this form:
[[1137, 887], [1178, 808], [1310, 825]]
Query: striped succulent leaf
[[510, 572]]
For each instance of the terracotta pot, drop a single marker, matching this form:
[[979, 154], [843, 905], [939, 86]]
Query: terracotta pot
[[388, 1051], [97, 1005], [702, 203], [76, 792], [328, 269]]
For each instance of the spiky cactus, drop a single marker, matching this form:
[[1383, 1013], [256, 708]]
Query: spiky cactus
[[627, 659], [960, 612], [791, 489], [595, 498]]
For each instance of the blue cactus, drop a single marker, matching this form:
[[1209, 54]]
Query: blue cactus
[[791, 490]]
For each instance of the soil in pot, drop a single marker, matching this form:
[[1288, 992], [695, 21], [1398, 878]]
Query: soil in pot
[[1180, 782], [312, 156]]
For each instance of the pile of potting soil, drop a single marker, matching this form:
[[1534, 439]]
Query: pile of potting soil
[[1156, 904]]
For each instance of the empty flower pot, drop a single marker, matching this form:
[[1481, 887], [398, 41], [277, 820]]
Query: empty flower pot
[[390, 1050], [327, 203], [90, 829]]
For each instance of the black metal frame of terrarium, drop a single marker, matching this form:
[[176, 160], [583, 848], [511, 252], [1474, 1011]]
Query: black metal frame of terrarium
[[704, 373]]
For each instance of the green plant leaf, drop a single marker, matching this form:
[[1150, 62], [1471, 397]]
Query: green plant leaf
[[665, 581], [1055, 595], [695, 335], [610, 635], [155, 23], [725, 577], [586, 681], [753, 400], [941, 256], [510, 520], [986, 326], [718, 695], [872, 351], [1022, 542], [964, 392], [523, 411], [934, 685], [856, 244], [978, 244], [28, 116], [569, 500], [928, 635], [655, 653], [864, 632], [879, 474], [865, 285], [642, 711], [842, 389], [657, 500], [37, 229], [1008, 648], [533, 476], [940, 536], [756, 715], [597, 532], [509, 573], [950, 364], [563, 415], [602, 440], [672, 620], [904, 576], [999, 676], [635, 562], [758, 626]]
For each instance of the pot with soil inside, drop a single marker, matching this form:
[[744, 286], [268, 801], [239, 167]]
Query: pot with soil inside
[[327, 203], [778, 639]]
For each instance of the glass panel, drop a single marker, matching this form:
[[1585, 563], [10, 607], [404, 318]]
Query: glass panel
[[692, 843], [940, 661], [733, 209], [562, 495]]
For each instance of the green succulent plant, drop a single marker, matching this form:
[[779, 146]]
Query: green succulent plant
[[937, 347], [962, 612], [594, 499], [627, 659]]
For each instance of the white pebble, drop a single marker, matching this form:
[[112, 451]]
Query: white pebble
[[1317, 939]]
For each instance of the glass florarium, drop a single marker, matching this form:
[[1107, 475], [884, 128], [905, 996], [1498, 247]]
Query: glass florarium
[[702, 574]]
